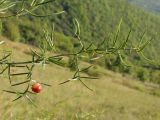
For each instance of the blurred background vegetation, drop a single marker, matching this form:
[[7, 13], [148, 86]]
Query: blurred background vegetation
[[98, 20]]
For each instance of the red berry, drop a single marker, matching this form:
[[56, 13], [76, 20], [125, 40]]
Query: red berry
[[36, 88]]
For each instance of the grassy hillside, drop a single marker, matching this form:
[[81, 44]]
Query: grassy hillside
[[98, 20], [114, 96]]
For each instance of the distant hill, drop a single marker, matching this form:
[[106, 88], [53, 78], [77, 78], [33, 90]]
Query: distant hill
[[98, 19], [151, 5]]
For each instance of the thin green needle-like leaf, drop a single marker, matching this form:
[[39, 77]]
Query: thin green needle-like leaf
[[31, 101], [90, 45], [9, 76], [141, 38], [8, 91], [17, 98], [35, 53], [35, 15], [26, 89], [122, 61], [75, 74], [58, 62], [143, 46], [33, 2], [6, 7], [46, 2], [21, 83], [117, 32], [2, 2], [18, 66], [127, 39], [85, 69], [147, 59], [4, 70], [45, 84], [30, 92], [64, 82], [85, 85], [77, 27], [89, 77], [16, 74]]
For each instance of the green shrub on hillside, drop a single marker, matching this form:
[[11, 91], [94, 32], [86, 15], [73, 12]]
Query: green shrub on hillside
[[63, 42], [143, 74], [11, 29]]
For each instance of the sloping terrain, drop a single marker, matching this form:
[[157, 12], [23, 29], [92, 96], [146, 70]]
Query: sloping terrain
[[98, 21], [115, 97]]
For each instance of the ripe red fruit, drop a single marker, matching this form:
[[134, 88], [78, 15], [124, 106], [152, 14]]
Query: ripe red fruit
[[36, 88]]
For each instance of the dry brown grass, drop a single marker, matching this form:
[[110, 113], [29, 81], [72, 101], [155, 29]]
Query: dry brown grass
[[114, 97]]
